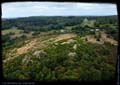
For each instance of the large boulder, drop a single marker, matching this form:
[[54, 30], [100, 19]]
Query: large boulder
[[39, 54], [75, 46], [56, 44], [26, 60], [69, 41], [72, 54]]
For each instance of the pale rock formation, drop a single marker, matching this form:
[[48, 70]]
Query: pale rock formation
[[39, 54], [72, 54], [75, 47]]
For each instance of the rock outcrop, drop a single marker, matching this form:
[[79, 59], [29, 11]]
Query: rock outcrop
[[72, 54], [75, 46], [39, 54]]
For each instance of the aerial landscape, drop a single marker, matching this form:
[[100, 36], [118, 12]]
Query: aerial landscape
[[55, 45]]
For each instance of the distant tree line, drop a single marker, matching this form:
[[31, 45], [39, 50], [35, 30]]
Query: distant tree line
[[48, 23], [44, 24]]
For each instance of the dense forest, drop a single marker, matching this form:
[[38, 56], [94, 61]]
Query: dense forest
[[42, 48], [50, 23]]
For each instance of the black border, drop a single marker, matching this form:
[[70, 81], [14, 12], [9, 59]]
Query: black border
[[113, 82]]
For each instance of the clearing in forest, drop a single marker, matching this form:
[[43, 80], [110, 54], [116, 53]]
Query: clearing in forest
[[104, 38]]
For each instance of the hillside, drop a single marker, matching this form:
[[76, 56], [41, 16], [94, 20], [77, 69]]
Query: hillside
[[60, 48]]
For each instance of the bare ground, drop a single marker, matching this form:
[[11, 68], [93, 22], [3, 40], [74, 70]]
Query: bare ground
[[64, 36], [104, 38], [35, 43]]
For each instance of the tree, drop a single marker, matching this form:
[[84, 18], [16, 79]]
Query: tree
[[86, 39], [98, 36]]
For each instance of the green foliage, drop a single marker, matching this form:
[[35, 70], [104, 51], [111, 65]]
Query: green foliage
[[9, 42], [91, 63]]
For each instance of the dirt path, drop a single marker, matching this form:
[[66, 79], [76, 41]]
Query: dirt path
[[35, 43], [25, 48], [64, 36], [60, 37]]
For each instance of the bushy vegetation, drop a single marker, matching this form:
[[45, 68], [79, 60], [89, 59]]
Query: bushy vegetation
[[90, 64], [43, 24], [8, 42], [77, 60]]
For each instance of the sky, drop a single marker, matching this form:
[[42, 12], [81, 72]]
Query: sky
[[26, 9]]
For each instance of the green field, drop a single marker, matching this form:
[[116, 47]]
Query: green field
[[14, 30]]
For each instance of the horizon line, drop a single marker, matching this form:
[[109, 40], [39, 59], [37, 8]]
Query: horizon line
[[59, 16]]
